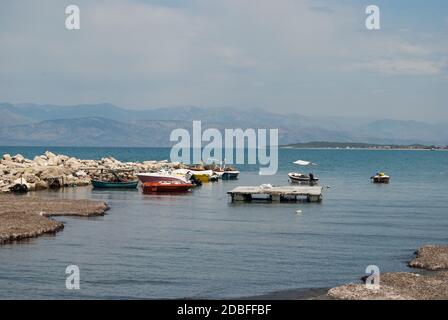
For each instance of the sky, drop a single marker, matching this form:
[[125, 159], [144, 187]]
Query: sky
[[314, 58]]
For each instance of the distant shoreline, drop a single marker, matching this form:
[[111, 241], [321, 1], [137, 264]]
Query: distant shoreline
[[362, 146], [358, 148], [279, 146]]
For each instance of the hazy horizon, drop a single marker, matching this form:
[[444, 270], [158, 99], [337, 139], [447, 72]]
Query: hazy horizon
[[313, 58], [247, 108]]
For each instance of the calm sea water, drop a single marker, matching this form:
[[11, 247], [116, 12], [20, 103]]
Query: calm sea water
[[199, 245]]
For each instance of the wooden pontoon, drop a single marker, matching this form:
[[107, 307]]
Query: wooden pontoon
[[279, 194]]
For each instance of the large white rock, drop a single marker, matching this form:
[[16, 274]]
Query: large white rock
[[18, 158], [54, 161], [80, 173], [6, 189], [13, 165], [7, 156], [63, 158], [41, 185], [52, 172], [40, 160], [30, 178], [49, 154]]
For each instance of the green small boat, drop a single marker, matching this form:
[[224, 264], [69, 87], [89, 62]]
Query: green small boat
[[97, 184]]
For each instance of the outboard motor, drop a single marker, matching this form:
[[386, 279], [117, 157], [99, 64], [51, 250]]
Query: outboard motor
[[196, 181]]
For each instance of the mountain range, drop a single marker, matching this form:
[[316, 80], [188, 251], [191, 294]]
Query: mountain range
[[109, 125]]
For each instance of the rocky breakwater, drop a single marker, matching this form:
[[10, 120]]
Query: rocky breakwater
[[55, 171]]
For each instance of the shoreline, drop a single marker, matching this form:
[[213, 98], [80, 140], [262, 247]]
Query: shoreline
[[369, 149], [428, 282], [23, 217]]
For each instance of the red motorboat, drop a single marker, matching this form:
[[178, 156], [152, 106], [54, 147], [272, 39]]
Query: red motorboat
[[166, 186]]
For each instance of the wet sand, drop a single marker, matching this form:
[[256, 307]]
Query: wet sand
[[23, 217]]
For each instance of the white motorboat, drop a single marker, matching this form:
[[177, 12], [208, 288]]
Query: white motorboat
[[162, 176], [302, 178]]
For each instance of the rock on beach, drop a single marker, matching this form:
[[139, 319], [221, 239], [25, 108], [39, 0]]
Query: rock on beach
[[431, 285], [431, 257]]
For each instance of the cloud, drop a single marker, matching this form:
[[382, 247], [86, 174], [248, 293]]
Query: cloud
[[321, 9], [400, 47], [403, 67], [287, 54]]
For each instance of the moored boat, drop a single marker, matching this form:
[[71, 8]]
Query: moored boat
[[166, 186], [161, 176], [203, 177], [380, 177], [227, 173], [296, 177], [98, 184], [199, 175], [230, 174], [112, 179]]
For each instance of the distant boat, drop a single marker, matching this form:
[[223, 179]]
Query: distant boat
[[198, 174], [304, 163], [98, 184], [166, 186], [296, 177], [226, 172], [380, 177], [230, 175]]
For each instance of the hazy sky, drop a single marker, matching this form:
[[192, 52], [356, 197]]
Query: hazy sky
[[309, 57]]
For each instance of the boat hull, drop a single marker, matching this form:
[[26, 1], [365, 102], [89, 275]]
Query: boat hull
[[301, 178], [229, 175], [114, 185], [381, 179], [156, 187], [155, 178], [202, 177]]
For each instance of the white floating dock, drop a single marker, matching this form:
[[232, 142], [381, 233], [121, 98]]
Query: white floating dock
[[281, 193]]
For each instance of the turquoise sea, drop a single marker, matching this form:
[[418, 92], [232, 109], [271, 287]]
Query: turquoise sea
[[199, 245]]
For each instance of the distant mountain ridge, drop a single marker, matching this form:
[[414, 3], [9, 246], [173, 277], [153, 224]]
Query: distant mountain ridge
[[108, 125]]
